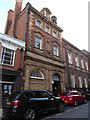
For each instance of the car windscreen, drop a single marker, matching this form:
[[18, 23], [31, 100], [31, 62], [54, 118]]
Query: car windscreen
[[65, 93]]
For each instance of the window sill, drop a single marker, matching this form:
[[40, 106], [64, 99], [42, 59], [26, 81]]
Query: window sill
[[38, 49], [6, 65]]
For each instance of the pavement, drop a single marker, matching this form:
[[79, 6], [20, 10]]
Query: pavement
[[0, 113]]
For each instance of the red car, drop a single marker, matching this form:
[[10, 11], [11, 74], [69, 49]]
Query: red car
[[73, 97]]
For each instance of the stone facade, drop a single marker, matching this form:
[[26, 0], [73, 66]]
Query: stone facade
[[43, 67], [48, 67]]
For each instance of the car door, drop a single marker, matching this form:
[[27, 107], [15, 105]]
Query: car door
[[50, 101], [38, 101], [78, 97], [82, 98]]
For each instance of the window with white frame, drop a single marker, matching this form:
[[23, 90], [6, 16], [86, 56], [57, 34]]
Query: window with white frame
[[38, 42], [54, 34], [85, 82], [38, 23], [80, 81], [72, 81], [86, 65], [7, 56], [76, 61], [82, 63], [55, 50], [37, 74], [47, 29], [70, 57]]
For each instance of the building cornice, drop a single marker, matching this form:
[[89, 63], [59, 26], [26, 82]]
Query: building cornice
[[6, 39], [43, 17]]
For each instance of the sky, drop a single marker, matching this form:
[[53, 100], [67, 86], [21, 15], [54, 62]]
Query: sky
[[72, 17]]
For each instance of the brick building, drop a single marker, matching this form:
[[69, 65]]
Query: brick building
[[43, 67], [11, 64], [77, 73]]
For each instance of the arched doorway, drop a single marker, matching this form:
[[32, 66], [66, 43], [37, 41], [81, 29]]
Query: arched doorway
[[56, 85]]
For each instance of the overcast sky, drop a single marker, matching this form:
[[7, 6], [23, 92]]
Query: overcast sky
[[72, 17]]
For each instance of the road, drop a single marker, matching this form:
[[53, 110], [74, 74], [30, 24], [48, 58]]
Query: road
[[81, 111]]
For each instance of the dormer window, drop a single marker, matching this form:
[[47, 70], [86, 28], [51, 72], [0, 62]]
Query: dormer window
[[46, 12]]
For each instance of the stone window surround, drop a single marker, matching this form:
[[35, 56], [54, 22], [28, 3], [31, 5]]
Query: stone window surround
[[38, 35], [37, 76]]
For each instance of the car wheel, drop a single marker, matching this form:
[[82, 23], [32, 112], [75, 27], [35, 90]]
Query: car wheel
[[61, 107], [75, 103], [29, 114]]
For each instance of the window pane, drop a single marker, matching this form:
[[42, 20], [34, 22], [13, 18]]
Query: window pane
[[38, 23], [36, 74], [54, 34], [70, 58], [55, 50], [38, 42]]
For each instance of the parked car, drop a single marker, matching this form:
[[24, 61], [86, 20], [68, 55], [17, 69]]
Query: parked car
[[87, 95], [73, 97], [28, 104]]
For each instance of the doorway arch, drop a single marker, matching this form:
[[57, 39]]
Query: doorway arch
[[56, 84]]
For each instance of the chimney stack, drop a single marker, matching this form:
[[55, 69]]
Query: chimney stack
[[17, 11], [9, 21]]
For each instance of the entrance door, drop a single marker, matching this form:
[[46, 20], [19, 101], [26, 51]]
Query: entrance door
[[56, 87]]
